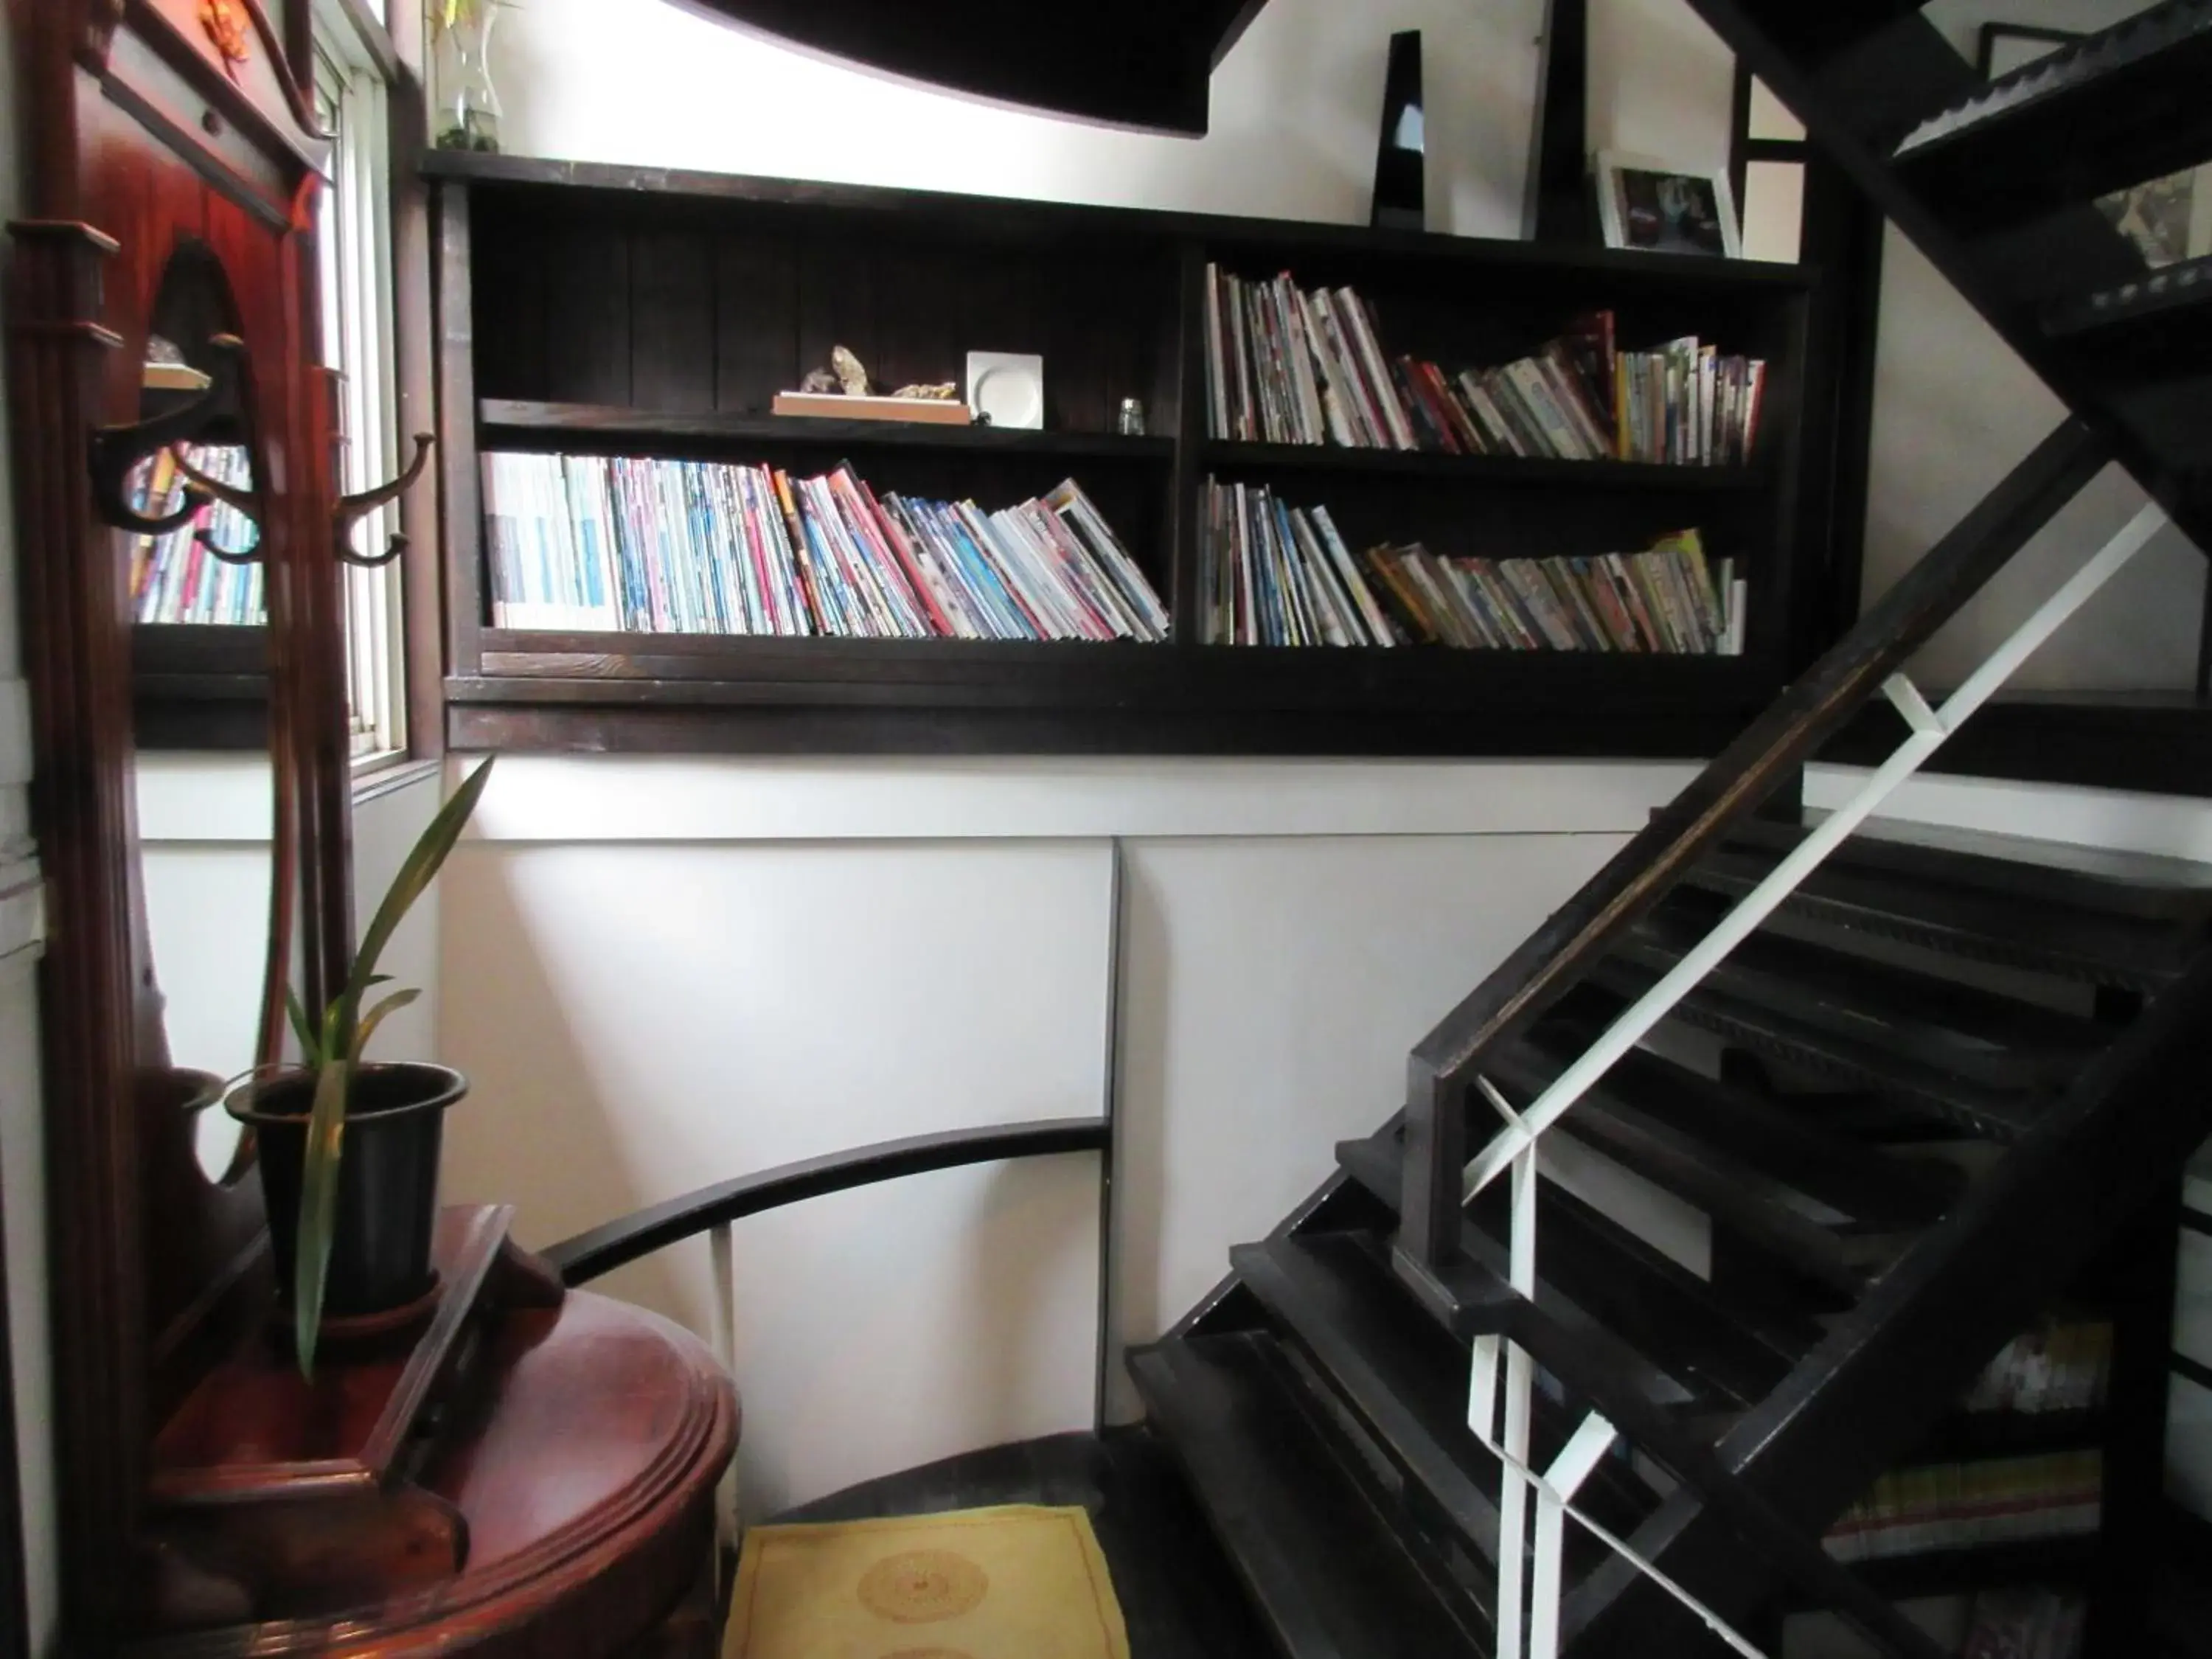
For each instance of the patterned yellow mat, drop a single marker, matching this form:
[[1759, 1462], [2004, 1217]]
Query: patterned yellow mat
[[1016, 1583]]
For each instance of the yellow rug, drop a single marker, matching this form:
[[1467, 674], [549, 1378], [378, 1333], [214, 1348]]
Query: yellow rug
[[1018, 1582]]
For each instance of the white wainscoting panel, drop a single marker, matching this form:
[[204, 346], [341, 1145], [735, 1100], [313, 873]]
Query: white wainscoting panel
[[640, 1021], [1271, 990]]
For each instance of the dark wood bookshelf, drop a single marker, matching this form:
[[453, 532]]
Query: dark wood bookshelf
[[199, 686], [611, 310], [2063, 1562], [1240, 459], [572, 426]]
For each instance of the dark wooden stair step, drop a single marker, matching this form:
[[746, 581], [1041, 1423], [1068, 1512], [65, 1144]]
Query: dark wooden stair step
[[2114, 109], [1325, 1568], [1736, 1194], [1998, 1114], [1663, 1323], [2083, 923], [1789, 1143], [1406, 1380], [2169, 307], [2148, 885], [1998, 1040]]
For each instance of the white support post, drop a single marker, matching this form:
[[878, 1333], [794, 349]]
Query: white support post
[[1929, 731], [1573, 1465], [723, 1316]]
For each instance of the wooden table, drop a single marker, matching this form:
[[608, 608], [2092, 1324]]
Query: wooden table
[[550, 1491]]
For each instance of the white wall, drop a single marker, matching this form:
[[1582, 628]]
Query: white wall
[[662, 974], [205, 826], [1295, 108]]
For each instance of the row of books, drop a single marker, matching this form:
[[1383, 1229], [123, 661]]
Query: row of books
[[613, 543], [1288, 366], [2023, 1622], [1971, 1504], [173, 578], [2060, 1365], [1276, 575]]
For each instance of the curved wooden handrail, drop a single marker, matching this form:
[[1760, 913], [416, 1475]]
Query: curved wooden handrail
[[588, 1255]]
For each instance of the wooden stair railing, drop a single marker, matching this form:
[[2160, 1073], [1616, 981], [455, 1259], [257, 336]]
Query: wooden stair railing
[[1727, 791]]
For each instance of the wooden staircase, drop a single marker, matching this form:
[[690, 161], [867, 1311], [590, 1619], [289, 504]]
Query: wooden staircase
[[1946, 1078], [1898, 1181]]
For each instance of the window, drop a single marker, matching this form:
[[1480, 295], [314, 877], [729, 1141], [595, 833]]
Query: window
[[352, 98]]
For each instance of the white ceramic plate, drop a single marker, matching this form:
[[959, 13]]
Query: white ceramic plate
[[1008, 386]]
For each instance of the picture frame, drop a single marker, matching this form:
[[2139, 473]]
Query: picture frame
[[1657, 206], [2168, 220]]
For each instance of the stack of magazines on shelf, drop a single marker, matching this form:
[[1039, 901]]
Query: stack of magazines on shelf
[[1972, 1504], [600, 542], [1288, 366], [173, 578], [2025, 1622], [1276, 575]]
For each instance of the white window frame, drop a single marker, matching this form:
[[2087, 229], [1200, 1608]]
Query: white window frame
[[353, 98]]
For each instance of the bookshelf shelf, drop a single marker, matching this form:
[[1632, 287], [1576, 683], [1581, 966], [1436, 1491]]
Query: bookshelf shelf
[[199, 686], [1240, 458], [2049, 1561], [598, 310], [576, 425]]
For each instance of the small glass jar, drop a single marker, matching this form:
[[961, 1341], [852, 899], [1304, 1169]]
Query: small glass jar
[[466, 113], [1130, 422]]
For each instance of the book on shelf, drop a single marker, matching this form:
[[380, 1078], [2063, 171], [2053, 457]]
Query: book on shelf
[[1288, 366], [1972, 1504], [595, 543], [1274, 574], [173, 578], [2025, 1622]]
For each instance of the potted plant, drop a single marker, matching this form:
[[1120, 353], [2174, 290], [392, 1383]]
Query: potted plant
[[348, 1149]]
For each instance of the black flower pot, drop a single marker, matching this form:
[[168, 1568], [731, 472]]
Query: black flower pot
[[387, 1202]]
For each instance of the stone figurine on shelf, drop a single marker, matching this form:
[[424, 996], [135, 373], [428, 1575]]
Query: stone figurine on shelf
[[842, 391]]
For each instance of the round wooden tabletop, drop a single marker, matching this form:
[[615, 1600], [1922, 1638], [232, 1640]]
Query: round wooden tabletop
[[585, 1473]]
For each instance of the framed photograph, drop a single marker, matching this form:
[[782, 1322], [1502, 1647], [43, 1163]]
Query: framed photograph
[[2169, 219], [1657, 207]]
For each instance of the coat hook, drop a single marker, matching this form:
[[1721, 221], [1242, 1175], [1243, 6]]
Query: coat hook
[[117, 450], [350, 510], [246, 503]]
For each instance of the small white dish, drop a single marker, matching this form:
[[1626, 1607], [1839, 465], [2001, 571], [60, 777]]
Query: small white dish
[[1007, 389]]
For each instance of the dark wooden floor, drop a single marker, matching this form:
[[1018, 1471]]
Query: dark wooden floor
[[1178, 1592]]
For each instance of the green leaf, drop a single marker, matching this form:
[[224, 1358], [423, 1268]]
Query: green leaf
[[319, 1196], [416, 874], [303, 1027], [374, 1017]]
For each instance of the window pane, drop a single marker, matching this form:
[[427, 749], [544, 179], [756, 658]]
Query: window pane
[[1769, 119], [1774, 211]]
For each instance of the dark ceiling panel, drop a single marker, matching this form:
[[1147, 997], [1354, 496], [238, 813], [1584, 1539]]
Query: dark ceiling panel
[[1141, 62]]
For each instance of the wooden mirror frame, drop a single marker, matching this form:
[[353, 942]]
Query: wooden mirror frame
[[144, 119]]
